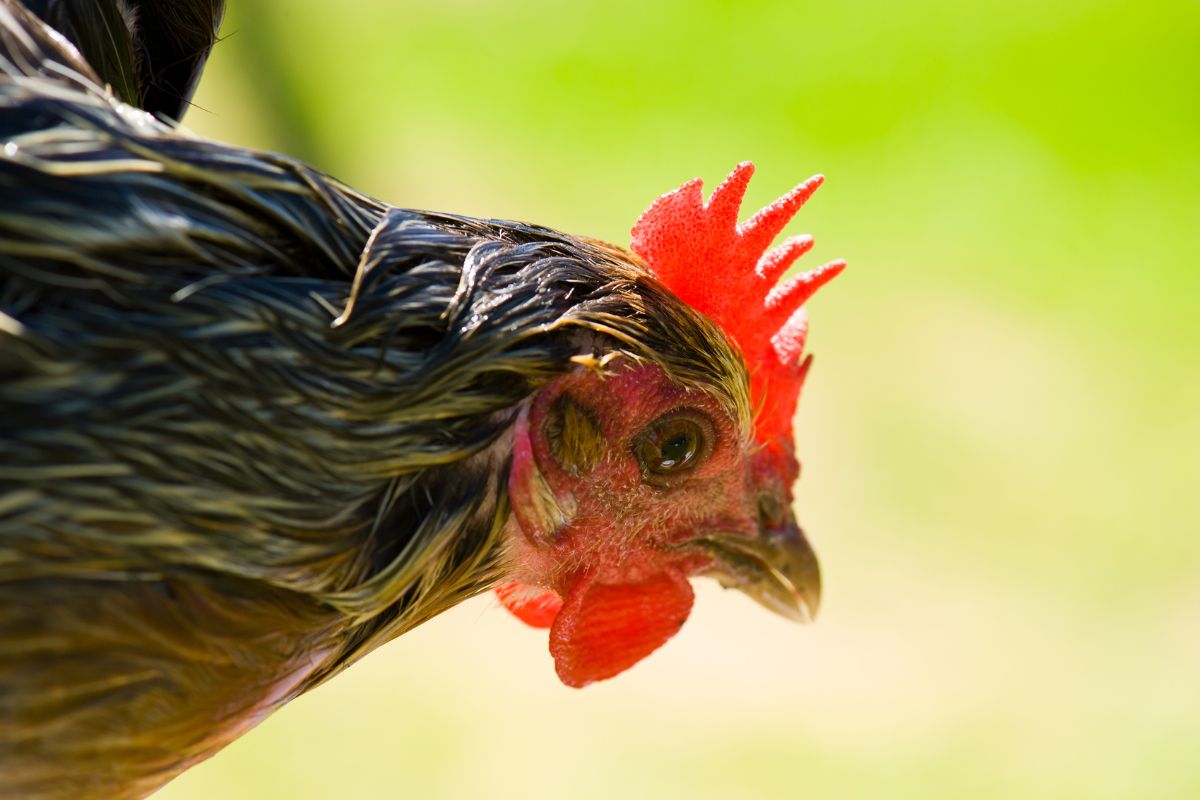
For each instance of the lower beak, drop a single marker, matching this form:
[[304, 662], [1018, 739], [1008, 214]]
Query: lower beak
[[777, 568]]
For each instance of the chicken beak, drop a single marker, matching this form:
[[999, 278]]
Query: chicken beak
[[777, 568]]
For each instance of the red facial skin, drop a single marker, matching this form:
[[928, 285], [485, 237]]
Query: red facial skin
[[616, 558]]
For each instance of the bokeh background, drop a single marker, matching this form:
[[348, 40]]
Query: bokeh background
[[1001, 435]]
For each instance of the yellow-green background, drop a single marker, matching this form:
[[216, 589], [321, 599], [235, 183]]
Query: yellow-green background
[[1001, 435]]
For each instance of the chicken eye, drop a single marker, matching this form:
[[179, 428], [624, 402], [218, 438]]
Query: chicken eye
[[672, 446]]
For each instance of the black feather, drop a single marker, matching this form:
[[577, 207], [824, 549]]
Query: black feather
[[150, 53]]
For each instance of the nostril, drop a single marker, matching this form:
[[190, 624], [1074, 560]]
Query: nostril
[[771, 511]]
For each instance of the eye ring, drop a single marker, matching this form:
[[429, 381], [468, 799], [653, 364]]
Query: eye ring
[[673, 445]]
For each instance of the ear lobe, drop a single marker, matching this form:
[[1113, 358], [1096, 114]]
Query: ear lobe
[[574, 435]]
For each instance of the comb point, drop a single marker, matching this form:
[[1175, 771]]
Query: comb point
[[762, 228], [727, 198], [798, 290], [776, 261]]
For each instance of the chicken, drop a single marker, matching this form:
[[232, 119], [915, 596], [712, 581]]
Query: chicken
[[255, 424]]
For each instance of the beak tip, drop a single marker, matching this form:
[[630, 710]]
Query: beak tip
[[792, 604], [809, 607]]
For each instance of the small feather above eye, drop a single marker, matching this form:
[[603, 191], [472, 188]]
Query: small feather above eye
[[596, 365]]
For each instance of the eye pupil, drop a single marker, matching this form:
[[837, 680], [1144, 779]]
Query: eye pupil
[[677, 450], [670, 446]]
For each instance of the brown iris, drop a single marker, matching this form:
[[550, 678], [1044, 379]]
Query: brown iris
[[672, 446]]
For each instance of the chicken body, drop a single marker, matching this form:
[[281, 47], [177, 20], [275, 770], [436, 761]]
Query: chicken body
[[255, 424]]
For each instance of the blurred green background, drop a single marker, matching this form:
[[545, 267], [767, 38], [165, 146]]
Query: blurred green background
[[1001, 437]]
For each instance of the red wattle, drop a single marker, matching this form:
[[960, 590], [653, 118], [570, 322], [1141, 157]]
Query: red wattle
[[534, 606], [604, 629]]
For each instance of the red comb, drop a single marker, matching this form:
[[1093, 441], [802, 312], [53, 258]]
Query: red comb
[[724, 270]]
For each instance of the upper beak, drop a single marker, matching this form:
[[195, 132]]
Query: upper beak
[[777, 567]]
